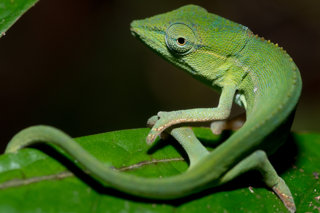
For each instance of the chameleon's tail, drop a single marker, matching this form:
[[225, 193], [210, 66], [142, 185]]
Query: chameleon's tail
[[152, 188], [191, 181]]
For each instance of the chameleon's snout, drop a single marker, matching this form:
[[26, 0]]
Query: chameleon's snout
[[133, 32], [134, 26], [148, 34]]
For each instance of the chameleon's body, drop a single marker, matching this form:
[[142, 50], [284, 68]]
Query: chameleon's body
[[227, 56]]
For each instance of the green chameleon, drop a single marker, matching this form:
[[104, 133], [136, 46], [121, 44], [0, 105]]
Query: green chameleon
[[253, 72]]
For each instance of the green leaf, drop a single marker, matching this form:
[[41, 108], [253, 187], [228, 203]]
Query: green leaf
[[11, 11], [42, 179]]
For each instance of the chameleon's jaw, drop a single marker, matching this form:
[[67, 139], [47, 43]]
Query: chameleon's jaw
[[137, 34]]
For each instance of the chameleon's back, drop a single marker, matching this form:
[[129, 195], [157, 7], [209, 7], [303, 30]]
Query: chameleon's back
[[271, 88], [273, 79]]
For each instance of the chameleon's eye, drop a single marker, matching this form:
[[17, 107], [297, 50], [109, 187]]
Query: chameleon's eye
[[180, 38]]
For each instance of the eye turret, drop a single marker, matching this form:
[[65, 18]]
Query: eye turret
[[180, 39]]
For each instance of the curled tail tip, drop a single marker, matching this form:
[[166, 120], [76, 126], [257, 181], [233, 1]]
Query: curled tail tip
[[30, 135], [11, 149], [14, 145]]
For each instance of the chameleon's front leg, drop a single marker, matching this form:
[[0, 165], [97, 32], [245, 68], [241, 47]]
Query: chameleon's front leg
[[167, 119]]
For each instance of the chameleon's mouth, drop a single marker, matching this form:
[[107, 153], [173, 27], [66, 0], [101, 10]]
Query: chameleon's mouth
[[150, 35], [137, 34], [133, 32], [135, 28]]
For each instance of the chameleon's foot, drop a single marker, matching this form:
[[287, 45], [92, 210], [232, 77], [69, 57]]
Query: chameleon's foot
[[152, 134], [283, 192], [152, 121], [217, 127], [152, 137], [158, 124]]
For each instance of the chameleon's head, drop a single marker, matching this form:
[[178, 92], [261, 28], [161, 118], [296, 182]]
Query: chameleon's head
[[192, 38]]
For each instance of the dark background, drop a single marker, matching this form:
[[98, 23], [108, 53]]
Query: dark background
[[74, 64]]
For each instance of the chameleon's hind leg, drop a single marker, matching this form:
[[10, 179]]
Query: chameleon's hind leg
[[185, 136], [259, 161], [190, 143]]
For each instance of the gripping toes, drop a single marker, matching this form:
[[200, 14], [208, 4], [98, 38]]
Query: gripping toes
[[154, 133], [152, 136], [159, 123], [153, 123]]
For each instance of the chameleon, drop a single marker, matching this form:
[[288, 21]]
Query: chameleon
[[244, 68]]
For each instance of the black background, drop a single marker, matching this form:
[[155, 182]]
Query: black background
[[75, 65]]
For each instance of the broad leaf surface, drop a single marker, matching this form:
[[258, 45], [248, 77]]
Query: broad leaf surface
[[11, 10], [39, 179]]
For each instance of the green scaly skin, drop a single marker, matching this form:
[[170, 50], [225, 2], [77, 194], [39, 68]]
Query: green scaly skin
[[227, 56]]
